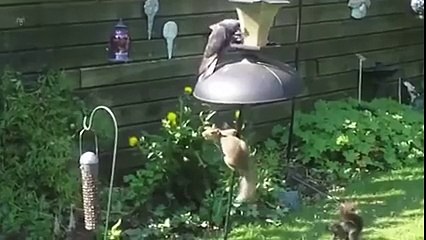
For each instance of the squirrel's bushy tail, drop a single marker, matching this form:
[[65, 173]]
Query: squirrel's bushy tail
[[248, 182]]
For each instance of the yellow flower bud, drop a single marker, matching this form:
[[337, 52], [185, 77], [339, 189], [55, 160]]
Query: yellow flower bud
[[188, 90], [237, 114], [172, 118], [133, 141]]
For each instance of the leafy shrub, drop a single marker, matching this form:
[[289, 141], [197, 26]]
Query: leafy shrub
[[343, 137], [36, 155], [182, 188]]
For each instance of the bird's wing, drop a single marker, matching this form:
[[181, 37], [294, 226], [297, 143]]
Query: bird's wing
[[216, 42]]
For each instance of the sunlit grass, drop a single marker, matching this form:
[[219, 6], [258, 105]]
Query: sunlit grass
[[391, 203]]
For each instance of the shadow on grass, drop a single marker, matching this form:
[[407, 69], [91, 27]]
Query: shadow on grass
[[391, 203]]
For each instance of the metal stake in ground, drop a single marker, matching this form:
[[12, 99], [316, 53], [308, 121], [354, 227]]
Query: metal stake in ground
[[238, 126]]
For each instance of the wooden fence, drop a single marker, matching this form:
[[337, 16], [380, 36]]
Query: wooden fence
[[73, 34]]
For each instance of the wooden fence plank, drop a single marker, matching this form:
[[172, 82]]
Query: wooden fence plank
[[356, 44], [133, 72], [74, 12], [387, 56], [339, 11], [123, 94], [138, 92], [346, 28], [95, 33], [18, 2], [71, 57], [96, 54], [91, 33]]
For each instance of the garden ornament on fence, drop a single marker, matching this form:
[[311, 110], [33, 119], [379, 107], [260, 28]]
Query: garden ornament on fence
[[119, 43], [416, 98], [359, 8], [249, 78], [151, 8], [170, 31], [418, 7], [89, 164]]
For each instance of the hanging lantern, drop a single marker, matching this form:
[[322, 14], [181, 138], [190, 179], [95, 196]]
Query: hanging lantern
[[119, 43]]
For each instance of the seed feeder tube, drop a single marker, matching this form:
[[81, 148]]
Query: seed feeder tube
[[89, 166]]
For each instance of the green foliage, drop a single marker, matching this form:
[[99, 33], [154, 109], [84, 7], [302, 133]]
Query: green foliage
[[36, 155], [345, 137], [182, 189]]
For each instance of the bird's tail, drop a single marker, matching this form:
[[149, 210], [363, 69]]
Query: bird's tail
[[248, 182]]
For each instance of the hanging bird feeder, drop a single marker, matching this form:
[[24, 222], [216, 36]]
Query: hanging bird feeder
[[250, 78], [89, 166], [256, 19]]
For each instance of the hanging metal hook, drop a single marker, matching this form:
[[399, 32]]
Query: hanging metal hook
[[87, 126]]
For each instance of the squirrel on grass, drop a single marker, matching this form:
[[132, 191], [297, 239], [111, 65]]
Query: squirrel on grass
[[350, 224], [237, 158]]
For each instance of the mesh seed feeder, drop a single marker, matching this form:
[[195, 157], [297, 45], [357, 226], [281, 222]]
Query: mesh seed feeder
[[250, 78], [89, 166]]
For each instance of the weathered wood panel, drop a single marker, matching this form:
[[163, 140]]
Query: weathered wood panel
[[70, 57], [72, 35], [344, 63], [339, 11], [97, 32]]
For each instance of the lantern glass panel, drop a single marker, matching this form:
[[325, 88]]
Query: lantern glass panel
[[119, 43]]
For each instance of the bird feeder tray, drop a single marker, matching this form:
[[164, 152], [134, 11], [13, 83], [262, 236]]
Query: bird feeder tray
[[256, 18], [249, 79]]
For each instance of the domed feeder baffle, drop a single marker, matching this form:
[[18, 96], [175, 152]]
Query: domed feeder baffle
[[249, 78], [248, 81]]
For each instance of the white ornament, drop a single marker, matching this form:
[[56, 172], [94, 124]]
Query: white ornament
[[170, 31], [418, 6], [359, 8], [151, 8]]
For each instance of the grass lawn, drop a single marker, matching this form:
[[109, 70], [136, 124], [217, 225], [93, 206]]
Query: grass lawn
[[392, 205]]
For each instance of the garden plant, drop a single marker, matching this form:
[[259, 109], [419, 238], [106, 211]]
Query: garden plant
[[180, 190]]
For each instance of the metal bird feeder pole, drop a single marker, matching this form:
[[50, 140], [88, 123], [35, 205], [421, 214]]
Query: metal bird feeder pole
[[89, 164], [296, 64], [238, 126]]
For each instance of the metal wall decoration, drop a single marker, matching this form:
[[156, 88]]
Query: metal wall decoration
[[359, 8], [151, 8], [119, 43], [170, 31], [418, 7]]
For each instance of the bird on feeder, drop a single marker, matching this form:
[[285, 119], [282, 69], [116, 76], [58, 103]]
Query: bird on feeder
[[222, 35]]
